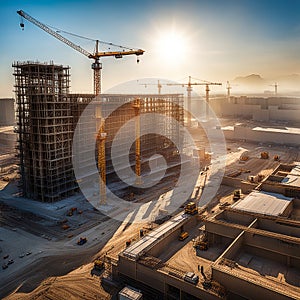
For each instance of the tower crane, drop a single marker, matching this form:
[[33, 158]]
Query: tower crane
[[137, 111], [189, 89], [228, 87], [158, 84], [96, 66], [275, 86]]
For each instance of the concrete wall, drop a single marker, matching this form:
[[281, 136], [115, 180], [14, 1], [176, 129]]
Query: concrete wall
[[247, 187], [243, 287], [270, 247], [230, 181], [271, 225], [7, 112], [163, 244], [238, 218], [246, 133], [260, 109], [159, 280], [221, 230], [234, 247]]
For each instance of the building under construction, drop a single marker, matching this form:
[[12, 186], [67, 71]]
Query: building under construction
[[45, 130], [47, 115]]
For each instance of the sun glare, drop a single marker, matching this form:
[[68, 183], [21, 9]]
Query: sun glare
[[171, 46]]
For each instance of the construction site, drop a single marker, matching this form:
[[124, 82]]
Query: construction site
[[224, 231]]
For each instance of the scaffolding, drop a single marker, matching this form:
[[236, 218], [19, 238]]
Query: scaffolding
[[118, 109], [45, 130], [47, 116]]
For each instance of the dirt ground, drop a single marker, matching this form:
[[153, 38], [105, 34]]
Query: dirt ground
[[57, 268]]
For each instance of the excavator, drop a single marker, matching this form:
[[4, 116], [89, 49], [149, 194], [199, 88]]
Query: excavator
[[191, 208]]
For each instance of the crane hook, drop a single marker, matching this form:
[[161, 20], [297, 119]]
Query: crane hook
[[22, 23]]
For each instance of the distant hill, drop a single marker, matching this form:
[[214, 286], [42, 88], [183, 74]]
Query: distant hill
[[253, 79]]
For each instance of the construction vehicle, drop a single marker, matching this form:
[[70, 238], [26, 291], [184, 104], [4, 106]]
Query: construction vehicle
[[236, 195], [191, 277], [244, 157], [98, 264], [71, 211], [183, 236], [223, 205], [65, 226], [82, 241], [264, 155], [191, 208], [202, 243], [276, 157]]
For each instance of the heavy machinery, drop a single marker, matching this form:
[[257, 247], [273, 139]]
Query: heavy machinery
[[191, 208], [276, 157], [236, 195], [191, 277], [244, 157], [97, 67], [82, 241], [183, 236], [98, 264], [264, 155], [201, 243]]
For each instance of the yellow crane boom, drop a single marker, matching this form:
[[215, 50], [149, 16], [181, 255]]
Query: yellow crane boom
[[96, 66]]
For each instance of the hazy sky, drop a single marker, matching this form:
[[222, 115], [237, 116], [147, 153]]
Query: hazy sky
[[212, 40]]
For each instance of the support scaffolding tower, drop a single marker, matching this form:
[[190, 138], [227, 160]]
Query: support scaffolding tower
[[45, 130]]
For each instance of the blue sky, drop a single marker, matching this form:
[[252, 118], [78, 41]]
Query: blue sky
[[213, 40]]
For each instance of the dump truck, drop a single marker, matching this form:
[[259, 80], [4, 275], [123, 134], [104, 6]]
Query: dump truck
[[82, 241], [202, 243], [191, 208], [183, 236], [191, 277], [264, 155], [236, 195], [98, 264]]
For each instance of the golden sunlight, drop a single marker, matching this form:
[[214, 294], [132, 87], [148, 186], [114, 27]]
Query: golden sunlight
[[171, 46]]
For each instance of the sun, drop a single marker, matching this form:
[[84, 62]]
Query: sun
[[171, 46]]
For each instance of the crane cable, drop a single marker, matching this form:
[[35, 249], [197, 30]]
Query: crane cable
[[87, 38], [78, 36]]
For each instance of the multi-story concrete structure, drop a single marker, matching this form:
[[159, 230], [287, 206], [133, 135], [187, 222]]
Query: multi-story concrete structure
[[47, 117], [45, 130]]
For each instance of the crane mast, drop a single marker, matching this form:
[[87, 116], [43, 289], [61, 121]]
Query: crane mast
[[189, 89]]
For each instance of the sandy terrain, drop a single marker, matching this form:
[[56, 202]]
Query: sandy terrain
[[58, 268]]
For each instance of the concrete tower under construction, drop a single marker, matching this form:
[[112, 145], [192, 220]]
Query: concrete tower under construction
[[47, 116], [44, 123]]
